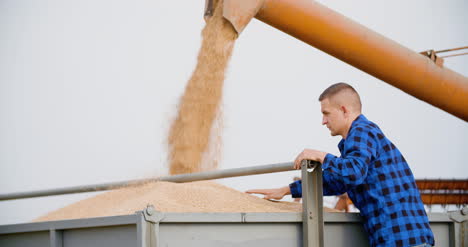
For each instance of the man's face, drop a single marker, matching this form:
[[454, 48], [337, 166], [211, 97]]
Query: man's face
[[333, 117]]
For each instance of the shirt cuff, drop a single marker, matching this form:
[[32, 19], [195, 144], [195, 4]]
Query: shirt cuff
[[326, 161], [296, 189]]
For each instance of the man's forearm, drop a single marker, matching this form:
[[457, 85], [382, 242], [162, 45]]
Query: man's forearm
[[286, 190]]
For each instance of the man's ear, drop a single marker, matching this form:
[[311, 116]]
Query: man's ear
[[344, 109]]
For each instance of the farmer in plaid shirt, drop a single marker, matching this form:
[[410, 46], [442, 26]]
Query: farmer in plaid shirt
[[370, 169]]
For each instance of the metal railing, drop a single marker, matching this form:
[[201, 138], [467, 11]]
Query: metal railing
[[312, 205], [181, 178]]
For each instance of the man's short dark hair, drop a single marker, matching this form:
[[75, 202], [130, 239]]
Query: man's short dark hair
[[335, 89], [340, 87]]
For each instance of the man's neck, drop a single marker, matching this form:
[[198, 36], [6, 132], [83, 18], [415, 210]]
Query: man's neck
[[349, 124]]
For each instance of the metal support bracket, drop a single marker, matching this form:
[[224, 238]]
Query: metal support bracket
[[312, 205], [152, 217], [461, 226], [460, 216], [431, 54]]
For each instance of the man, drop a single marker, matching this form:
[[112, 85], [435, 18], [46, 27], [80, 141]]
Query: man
[[370, 169]]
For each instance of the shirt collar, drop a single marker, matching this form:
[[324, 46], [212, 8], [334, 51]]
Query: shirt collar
[[361, 118]]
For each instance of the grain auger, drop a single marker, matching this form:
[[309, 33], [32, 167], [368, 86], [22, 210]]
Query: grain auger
[[342, 38]]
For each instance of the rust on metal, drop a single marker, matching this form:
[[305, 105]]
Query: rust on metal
[[443, 191], [445, 199], [209, 8], [442, 184]]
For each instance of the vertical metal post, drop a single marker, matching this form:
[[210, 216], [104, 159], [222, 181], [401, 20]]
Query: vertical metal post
[[464, 233], [153, 217], [55, 238], [312, 204]]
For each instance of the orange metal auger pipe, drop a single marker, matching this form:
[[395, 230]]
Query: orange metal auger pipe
[[370, 52]]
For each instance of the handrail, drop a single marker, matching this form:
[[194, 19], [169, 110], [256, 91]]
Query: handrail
[[180, 178]]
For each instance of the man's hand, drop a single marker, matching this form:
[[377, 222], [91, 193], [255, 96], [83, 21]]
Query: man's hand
[[276, 194], [309, 154]]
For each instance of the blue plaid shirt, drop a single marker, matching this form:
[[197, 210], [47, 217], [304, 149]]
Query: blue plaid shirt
[[381, 185]]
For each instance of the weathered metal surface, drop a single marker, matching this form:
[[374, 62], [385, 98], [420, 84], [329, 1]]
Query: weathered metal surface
[[444, 198], [209, 9], [442, 184]]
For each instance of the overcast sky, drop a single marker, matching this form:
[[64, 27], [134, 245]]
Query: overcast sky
[[88, 89]]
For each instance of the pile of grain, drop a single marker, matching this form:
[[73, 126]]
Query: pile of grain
[[193, 132], [203, 196]]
